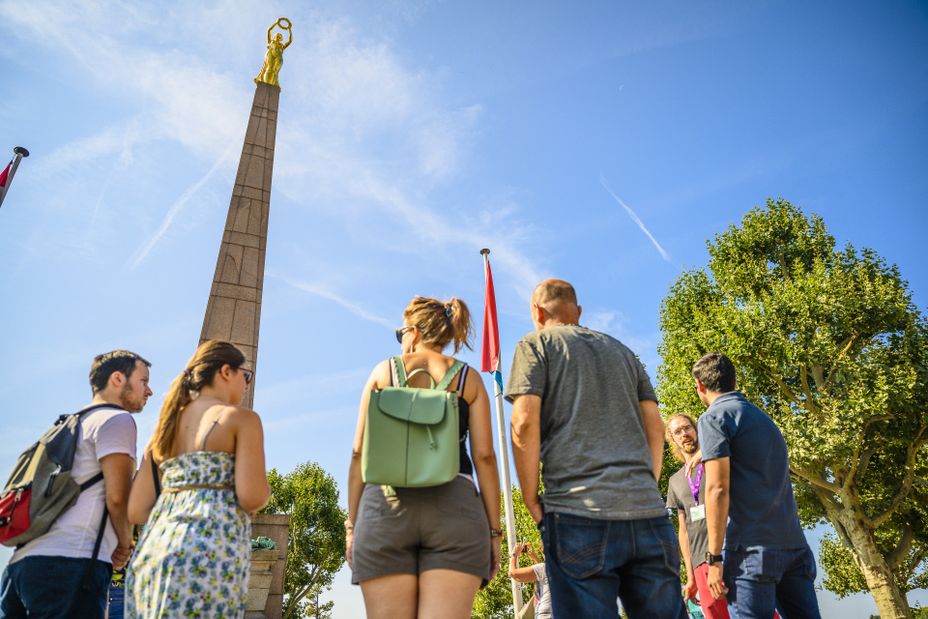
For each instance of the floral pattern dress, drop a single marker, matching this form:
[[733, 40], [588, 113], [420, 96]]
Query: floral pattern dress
[[193, 557]]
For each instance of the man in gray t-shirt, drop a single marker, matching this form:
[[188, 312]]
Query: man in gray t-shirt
[[584, 408]]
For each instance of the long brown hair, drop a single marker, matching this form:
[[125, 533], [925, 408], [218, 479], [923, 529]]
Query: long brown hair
[[440, 322], [201, 370]]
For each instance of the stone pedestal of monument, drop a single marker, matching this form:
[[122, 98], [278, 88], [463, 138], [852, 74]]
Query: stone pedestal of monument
[[266, 583]]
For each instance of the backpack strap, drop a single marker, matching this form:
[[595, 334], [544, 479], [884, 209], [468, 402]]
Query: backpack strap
[[89, 482], [449, 375], [87, 585], [398, 372]]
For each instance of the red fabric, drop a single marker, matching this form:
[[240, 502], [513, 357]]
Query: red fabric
[[14, 513], [490, 357], [5, 174], [711, 608]]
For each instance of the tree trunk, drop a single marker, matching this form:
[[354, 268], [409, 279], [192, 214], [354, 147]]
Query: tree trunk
[[890, 601]]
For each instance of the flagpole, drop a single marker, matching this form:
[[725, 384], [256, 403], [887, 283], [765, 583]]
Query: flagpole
[[504, 466], [18, 153]]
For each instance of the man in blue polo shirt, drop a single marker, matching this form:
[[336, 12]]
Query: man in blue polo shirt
[[768, 563]]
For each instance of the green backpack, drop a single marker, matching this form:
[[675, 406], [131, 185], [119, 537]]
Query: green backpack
[[411, 437]]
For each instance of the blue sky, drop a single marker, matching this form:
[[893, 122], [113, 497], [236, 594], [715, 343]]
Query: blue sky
[[410, 135]]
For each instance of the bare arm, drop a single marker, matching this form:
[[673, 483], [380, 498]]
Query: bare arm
[[142, 498], [379, 376], [484, 457], [251, 487], [717, 486], [684, 539], [117, 481], [269, 32], [526, 448], [654, 432]]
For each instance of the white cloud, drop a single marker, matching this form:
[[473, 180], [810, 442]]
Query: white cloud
[[634, 217]]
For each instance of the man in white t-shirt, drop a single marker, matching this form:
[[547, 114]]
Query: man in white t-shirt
[[54, 575]]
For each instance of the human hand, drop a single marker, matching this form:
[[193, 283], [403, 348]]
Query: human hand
[[689, 589], [495, 543], [349, 540], [716, 585], [120, 557]]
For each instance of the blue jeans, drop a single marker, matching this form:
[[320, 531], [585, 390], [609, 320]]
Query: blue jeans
[[53, 588], [760, 579], [117, 602], [590, 563]]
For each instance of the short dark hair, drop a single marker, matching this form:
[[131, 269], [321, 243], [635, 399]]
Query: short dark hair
[[716, 372], [105, 364]]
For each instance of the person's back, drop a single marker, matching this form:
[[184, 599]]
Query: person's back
[[583, 406], [193, 555], [767, 560], [58, 573], [762, 508], [593, 446]]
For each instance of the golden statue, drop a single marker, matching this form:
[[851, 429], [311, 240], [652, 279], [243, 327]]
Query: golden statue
[[274, 58]]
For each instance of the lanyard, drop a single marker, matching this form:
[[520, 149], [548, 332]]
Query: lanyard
[[694, 487]]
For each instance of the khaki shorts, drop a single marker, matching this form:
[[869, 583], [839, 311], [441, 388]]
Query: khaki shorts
[[420, 529]]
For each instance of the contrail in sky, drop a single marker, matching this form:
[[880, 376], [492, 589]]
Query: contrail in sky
[[636, 219], [175, 209], [325, 293]]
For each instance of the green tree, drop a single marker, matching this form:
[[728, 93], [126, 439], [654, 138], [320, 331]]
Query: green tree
[[316, 545], [828, 342], [495, 600]]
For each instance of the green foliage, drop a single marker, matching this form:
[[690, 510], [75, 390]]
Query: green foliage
[[828, 342], [316, 547], [495, 600]]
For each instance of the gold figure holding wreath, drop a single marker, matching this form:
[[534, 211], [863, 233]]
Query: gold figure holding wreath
[[274, 58]]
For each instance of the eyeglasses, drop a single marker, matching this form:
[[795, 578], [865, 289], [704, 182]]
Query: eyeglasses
[[401, 332], [249, 375]]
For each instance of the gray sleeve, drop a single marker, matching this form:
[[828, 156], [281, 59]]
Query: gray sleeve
[[673, 501], [529, 372], [645, 390]]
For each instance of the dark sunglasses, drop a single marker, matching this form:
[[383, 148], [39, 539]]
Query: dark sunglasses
[[401, 332], [249, 374]]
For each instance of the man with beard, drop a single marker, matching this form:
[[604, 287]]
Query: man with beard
[[686, 494], [55, 575]]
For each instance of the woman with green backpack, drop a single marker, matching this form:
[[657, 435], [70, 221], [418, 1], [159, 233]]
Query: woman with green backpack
[[421, 539]]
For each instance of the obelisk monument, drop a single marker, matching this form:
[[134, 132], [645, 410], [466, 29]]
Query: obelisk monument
[[233, 312]]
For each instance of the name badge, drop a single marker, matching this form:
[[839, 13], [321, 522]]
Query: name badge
[[697, 512]]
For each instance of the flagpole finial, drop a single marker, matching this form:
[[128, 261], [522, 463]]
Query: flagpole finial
[[485, 251], [19, 150]]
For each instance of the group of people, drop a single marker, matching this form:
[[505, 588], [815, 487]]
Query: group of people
[[583, 411], [201, 476]]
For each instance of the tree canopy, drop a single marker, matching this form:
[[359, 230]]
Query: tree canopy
[[317, 535], [829, 343]]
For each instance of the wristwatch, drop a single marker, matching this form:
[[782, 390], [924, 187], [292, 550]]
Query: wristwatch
[[712, 559]]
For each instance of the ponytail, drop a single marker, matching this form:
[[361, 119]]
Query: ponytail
[[460, 323], [441, 322], [201, 370]]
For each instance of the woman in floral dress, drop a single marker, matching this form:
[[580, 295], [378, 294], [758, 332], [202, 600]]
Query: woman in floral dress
[[201, 477]]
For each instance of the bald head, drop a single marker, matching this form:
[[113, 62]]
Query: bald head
[[557, 301]]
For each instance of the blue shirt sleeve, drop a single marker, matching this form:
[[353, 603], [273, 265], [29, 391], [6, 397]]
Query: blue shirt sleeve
[[713, 437]]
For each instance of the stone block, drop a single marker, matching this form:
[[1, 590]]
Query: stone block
[[218, 324], [231, 257], [244, 321]]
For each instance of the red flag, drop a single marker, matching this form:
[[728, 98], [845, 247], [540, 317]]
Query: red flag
[[5, 174], [490, 360]]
